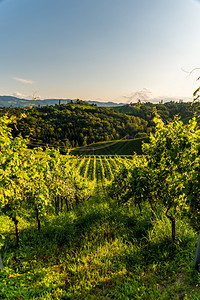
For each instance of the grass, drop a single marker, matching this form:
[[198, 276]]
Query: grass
[[100, 251], [120, 147]]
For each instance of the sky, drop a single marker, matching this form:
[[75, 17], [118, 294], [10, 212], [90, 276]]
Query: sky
[[104, 50]]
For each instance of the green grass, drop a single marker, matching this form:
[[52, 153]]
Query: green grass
[[121, 147], [100, 251]]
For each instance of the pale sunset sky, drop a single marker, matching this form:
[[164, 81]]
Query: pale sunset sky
[[105, 50]]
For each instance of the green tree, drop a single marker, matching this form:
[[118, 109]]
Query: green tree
[[12, 175], [172, 153]]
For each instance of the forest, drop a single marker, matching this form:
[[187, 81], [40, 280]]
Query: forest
[[100, 226], [78, 124], [73, 125]]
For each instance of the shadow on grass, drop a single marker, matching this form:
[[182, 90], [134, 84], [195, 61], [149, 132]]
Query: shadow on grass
[[94, 224], [58, 231], [63, 238]]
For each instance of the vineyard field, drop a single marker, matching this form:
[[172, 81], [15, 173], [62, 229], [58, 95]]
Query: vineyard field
[[99, 226], [98, 167]]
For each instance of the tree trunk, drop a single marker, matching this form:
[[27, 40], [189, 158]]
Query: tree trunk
[[61, 204], [38, 218], [152, 209], [67, 204], [16, 230], [76, 199], [140, 207], [57, 204], [172, 219], [173, 228]]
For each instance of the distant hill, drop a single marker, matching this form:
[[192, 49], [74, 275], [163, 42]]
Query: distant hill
[[9, 101]]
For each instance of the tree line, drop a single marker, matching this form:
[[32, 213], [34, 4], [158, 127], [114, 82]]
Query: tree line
[[166, 111]]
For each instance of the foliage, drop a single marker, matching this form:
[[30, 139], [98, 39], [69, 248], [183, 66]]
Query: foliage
[[12, 176], [34, 182], [71, 125], [166, 111], [173, 157], [168, 174]]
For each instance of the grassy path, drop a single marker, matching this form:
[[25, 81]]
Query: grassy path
[[100, 251]]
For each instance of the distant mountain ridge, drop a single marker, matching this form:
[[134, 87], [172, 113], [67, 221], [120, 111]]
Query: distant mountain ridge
[[7, 101]]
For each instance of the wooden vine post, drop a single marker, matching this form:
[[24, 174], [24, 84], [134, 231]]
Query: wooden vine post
[[1, 263]]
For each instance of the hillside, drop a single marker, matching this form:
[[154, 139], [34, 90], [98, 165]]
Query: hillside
[[79, 124], [72, 125], [118, 147]]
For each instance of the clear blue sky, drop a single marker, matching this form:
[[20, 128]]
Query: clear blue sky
[[107, 50]]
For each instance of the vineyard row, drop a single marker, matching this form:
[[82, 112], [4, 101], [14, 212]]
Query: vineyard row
[[98, 168]]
